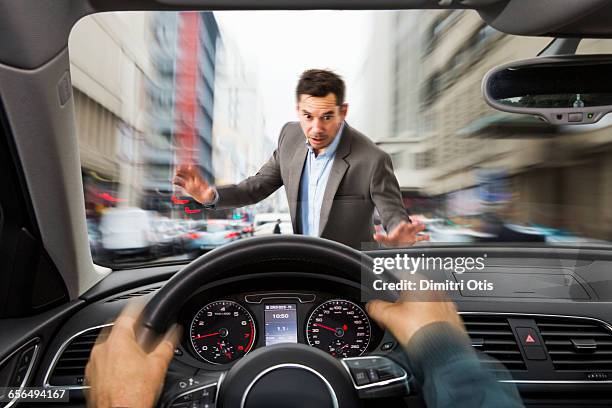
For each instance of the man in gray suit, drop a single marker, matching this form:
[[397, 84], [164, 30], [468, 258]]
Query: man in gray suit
[[334, 176]]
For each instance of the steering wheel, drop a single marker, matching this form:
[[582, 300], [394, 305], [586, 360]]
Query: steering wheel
[[291, 375]]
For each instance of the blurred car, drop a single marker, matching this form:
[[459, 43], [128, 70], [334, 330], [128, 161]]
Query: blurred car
[[209, 235], [246, 228], [268, 228], [126, 231], [455, 234], [264, 218], [167, 235]]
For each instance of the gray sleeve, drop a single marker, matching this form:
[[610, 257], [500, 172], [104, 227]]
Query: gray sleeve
[[255, 188], [451, 375], [386, 195]]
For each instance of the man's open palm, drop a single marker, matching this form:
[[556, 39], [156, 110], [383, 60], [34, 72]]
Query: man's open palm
[[189, 178], [403, 234]]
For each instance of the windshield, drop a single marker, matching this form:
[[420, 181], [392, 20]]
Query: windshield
[[156, 92]]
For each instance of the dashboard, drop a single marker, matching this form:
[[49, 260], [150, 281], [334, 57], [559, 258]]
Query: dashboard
[[225, 320], [223, 330]]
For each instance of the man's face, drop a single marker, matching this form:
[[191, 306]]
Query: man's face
[[320, 119]]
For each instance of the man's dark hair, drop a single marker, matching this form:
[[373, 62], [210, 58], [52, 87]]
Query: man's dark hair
[[319, 83]]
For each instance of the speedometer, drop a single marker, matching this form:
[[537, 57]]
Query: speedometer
[[340, 328], [222, 332]]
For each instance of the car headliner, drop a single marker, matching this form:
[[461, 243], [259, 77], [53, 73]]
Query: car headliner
[[35, 89]]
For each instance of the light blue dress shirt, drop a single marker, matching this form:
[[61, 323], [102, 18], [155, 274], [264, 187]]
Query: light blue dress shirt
[[312, 185]]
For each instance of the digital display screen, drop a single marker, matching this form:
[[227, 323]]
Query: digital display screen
[[281, 324]]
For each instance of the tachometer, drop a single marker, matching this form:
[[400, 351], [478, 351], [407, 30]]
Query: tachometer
[[340, 328], [222, 331]]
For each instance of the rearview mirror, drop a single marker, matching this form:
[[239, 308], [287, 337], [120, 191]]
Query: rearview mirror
[[568, 90]]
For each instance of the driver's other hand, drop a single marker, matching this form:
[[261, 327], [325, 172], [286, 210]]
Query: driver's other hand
[[120, 373], [408, 315], [188, 177]]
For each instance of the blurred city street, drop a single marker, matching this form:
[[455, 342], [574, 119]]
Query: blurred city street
[[214, 90]]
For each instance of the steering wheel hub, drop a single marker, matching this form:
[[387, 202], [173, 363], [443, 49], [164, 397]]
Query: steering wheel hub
[[287, 375]]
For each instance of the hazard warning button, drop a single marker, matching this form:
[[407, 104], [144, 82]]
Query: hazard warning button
[[528, 336]]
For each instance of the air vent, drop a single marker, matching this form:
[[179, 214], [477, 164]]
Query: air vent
[[134, 294], [493, 336], [576, 344], [69, 370]]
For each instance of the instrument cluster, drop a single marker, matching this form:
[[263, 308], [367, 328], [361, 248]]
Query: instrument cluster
[[222, 331]]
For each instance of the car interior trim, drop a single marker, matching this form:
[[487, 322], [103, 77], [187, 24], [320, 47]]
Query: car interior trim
[[26, 377], [258, 298], [58, 354], [607, 325]]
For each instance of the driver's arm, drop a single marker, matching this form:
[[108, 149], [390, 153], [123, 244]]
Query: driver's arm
[[440, 354]]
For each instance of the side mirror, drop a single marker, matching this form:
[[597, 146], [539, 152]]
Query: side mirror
[[563, 90]]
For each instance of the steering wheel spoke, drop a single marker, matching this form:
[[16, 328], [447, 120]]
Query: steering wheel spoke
[[377, 376]]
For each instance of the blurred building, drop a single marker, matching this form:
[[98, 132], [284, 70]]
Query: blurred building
[[418, 96], [531, 171], [386, 100], [180, 101], [241, 145], [469, 159], [109, 100]]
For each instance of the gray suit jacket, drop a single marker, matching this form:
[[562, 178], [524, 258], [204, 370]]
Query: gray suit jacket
[[361, 178]]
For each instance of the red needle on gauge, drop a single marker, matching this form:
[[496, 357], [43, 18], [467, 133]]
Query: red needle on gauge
[[325, 327], [201, 336]]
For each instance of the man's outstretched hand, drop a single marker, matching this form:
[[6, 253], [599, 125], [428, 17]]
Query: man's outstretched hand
[[120, 373], [404, 234], [189, 178]]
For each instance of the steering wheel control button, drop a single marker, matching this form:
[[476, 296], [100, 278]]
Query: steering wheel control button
[[373, 375], [360, 376], [378, 371], [390, 345], [377, 377], [528, 336], [208, 395], [199, 397]]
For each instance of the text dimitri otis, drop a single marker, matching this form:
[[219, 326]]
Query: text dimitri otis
[[422, 263]]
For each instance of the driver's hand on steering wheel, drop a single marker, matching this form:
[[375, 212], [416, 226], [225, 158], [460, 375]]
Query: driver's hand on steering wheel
[[120, 373], [413, 312]]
